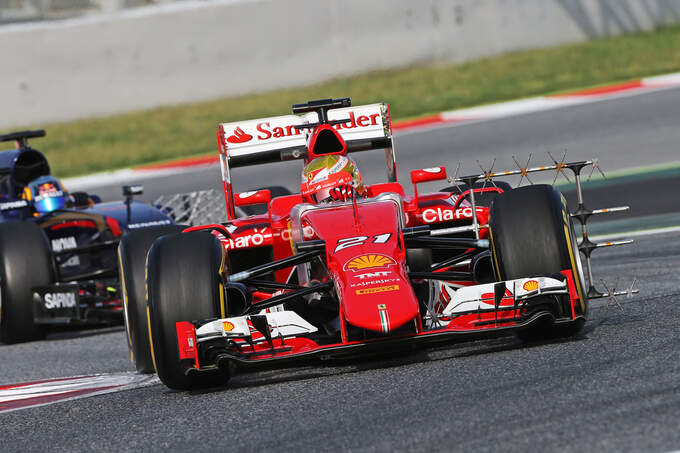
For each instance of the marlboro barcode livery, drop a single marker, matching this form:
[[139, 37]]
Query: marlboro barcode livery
[[344, 267]]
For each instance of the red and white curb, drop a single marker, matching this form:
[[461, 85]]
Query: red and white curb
[[40, 393], [443, 119]]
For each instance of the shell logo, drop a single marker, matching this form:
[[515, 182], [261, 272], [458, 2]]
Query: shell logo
[[227, 326], [530, 285], [369, 261]]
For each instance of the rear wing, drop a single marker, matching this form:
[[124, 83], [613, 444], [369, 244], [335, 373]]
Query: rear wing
[[22, 164], [277, 139], [21, 137]]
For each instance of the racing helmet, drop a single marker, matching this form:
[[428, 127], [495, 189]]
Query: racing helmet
[[46, 193], [328, 178]]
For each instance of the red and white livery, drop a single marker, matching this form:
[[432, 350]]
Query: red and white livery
[[369, 273]]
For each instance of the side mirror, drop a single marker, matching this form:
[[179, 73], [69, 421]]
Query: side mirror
[[128, 193], [80, 199], [426, 175], [131, 191], [255, 197], [251, 198]]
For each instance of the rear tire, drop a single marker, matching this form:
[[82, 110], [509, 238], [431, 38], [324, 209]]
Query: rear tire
[[25, 262], [132, 252], [532, 235], [184, 284]]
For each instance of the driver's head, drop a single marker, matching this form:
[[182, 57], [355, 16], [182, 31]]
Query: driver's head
[[46, 193], [330, 178]]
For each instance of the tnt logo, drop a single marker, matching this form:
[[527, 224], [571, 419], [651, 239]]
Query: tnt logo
[[373, 274], [239, 136]]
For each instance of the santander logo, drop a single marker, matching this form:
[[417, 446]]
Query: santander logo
[[239, 136], [278, 129]]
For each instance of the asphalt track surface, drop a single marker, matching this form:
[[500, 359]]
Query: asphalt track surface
[[616, 387]]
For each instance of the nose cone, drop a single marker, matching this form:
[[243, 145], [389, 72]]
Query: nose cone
[[382, 305], [367, 264]]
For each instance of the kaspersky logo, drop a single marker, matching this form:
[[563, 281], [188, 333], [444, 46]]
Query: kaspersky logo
[[239, 136]]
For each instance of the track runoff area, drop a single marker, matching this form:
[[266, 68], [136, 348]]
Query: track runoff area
[[614, 124]]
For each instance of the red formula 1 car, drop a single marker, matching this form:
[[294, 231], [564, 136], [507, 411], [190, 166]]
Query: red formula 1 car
[[345, 268]]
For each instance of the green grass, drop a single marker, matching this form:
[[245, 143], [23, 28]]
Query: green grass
[[91, 145]]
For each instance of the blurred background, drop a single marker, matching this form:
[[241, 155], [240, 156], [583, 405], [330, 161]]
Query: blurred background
[[69, 59], [124, 83]]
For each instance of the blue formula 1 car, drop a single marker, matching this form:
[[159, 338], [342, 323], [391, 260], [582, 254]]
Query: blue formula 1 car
[[58, 259]]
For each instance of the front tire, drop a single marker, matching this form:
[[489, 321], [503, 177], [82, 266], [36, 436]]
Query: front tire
[[132, 253], [25, 262], [532, 234], [184, 284]]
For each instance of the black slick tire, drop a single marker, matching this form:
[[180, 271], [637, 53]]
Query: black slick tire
[[25, 262], [184, 284], [532, 234], [132, 252]]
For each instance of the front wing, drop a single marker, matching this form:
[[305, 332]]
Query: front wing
[[280, 338]]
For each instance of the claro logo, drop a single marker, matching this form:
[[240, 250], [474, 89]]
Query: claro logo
[[432, 215], [255, 239]]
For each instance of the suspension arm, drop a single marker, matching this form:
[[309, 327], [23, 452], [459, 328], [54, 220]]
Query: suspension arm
[[281, 298], [274, 266], [438, 242]]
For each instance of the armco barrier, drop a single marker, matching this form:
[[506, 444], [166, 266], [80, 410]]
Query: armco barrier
[[193, 51]]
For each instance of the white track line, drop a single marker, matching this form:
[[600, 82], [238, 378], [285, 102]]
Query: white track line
[[637, 233], [94, 385]]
